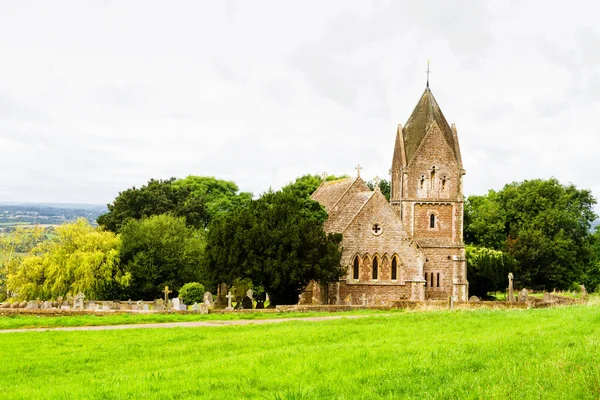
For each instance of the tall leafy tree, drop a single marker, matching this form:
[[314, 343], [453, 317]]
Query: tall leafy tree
[[80, 258], [306, 185], [542, 224], [160, 251], [384, 186], [198, 199], [277, 242], [488, 270]]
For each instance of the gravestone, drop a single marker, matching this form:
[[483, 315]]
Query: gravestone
[[46, 305], [91, 306], [145, 307], [450, 303], [511, 295], [203, 308], [176, 303], [208, 299], [249, 293], [32, 305], [584, 292], [229, 297], [474, 299], [523, 295], [348, 300], [363, 299], [78, 301], [105, 307], [159, 305], [247, 303], [195, 307], [23, 304], [221, 301], [65, 307]]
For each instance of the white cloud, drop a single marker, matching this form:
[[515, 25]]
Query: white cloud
[[99, 96]]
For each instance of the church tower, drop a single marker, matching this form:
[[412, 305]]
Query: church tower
[[427, 195]]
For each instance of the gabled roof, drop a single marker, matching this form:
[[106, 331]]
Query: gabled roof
[[356, 203], [330, 192], [426, 113]]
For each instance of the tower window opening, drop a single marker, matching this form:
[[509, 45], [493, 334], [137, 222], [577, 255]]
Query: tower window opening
[[431, 277], [375, 268], [432, 221], [426, 279], [438, 279]]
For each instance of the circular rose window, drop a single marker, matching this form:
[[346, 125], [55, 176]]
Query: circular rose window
[[376, 229]]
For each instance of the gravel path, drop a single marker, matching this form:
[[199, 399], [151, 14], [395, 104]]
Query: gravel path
[[194, 324]]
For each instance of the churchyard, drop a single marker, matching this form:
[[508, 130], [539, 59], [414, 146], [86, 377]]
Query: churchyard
[[548, 353]]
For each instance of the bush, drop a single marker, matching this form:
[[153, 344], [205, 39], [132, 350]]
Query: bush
[[191, 293]]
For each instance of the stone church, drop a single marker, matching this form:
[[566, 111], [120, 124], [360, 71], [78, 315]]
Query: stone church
[[411, 247]]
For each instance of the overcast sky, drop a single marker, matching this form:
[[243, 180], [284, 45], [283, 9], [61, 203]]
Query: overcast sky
[[99, 96]]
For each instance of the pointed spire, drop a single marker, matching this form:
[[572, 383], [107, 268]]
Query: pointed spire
[[424, 116]]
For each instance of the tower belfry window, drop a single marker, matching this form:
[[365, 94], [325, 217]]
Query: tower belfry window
[[433, 177], [432, 221], [375, 268]]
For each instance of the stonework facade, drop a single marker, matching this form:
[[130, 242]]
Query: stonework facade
[[410, 248]]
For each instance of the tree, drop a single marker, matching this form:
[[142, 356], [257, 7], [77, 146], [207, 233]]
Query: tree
[[198, 199], [12, 246], [542, 224], [160, 251], [80, 258], [384, 186], [487, 270], [278, 243], [591, 276], [306, 185], [192, 292]]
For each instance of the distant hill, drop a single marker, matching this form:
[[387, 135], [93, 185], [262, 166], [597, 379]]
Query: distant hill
[[12, 214]]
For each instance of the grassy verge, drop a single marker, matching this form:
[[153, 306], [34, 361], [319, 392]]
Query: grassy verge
[[491, 354], [33, 321]]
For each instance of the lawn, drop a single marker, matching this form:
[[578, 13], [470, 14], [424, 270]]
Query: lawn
[[34, 321], [491, 354]]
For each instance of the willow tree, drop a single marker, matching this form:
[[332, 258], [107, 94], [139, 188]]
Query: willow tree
[[80, 258]]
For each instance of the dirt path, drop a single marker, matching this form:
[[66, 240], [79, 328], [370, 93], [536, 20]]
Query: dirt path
[[194, 324]]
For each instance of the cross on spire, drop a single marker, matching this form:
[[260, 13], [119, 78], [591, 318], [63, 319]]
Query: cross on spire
[[358, 168], [428, 72], [376, 182], [324, 176]]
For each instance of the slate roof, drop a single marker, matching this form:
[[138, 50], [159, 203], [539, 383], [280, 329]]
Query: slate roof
[[422, 118], [330, 192]]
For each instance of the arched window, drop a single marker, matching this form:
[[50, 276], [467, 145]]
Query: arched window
[[431, 277], [375, 268], [432, 221], [394, 269], [438, 279], [355, 268], [425, 279]]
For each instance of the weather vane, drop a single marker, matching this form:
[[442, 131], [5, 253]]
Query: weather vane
[[428, 72]]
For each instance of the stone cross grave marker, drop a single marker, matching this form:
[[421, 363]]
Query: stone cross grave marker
[[511, 296], [166, 292], [229, 297]]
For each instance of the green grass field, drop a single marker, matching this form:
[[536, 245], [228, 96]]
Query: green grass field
[[494, 354], [34, 321]]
